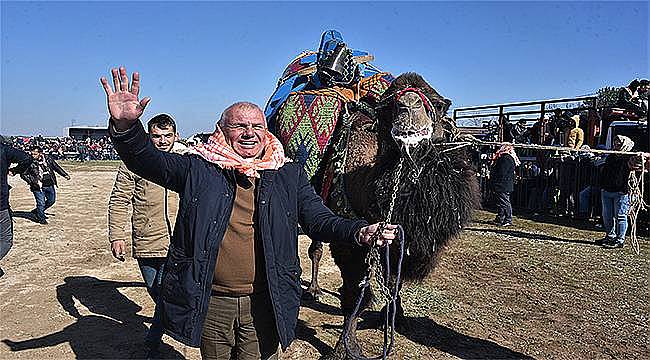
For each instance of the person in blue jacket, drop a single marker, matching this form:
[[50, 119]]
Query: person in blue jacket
[[8, 156], [232, 276]]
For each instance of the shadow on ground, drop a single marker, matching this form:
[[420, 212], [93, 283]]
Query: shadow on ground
[[530, 236], [114, 330], [25, 215], [424, 331]]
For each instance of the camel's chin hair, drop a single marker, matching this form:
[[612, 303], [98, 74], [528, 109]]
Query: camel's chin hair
[[412, 138]]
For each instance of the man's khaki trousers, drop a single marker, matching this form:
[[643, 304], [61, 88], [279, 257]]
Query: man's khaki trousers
[[240, 328]]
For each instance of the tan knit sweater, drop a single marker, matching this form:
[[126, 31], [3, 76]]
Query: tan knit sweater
[[240, 263]]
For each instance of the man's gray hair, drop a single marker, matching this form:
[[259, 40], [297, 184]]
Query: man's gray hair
[[240, 105]]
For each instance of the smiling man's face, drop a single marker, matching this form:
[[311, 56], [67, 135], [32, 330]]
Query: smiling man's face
[[245, 131]]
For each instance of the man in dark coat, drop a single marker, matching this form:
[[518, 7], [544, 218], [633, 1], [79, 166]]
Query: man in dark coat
[[232, 277], [41, 178], [540, 132], [8, 156], [502, 178], [628, 98], [519, 132]]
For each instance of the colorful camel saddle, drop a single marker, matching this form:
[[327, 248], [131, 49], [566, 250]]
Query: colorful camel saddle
[[307, 105]]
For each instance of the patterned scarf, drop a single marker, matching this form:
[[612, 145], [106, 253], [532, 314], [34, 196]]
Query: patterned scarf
[[217, 151], [507, 149]]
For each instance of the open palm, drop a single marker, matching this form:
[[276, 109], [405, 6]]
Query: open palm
[[123, 104]]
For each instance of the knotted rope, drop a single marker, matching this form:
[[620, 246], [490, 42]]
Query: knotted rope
[[637, 203], [381, 277]]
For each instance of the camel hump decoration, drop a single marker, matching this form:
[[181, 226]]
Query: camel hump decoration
[[374, 145], [308, 112], [313, 92]]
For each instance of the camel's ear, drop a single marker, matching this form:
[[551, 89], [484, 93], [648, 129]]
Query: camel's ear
[[447, 105]]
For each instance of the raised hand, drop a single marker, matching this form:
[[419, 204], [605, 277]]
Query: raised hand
[[123, 104]]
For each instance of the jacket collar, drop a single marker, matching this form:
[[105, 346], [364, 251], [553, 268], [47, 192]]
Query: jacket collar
[[266, 177]]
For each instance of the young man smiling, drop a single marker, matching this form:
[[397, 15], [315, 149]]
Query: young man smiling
[[153, 210]]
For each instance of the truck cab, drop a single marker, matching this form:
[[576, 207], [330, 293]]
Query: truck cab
[[635, 130]]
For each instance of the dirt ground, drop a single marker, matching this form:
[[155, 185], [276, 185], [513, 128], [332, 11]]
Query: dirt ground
[[535, 290]]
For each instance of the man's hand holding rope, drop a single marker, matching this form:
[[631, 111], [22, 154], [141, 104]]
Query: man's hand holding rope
[[378, 234]]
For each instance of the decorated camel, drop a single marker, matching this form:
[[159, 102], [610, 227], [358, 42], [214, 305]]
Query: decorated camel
[[384, 153]]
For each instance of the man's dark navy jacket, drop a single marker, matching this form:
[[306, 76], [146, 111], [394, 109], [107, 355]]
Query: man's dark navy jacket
[[284, 199], [8, 156]]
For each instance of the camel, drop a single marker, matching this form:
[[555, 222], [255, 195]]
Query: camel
[[436, 192]]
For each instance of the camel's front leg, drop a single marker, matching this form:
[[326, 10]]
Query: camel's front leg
[[315, 252]]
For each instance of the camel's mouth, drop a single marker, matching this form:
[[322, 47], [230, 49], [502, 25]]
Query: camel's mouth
[[411, 137]]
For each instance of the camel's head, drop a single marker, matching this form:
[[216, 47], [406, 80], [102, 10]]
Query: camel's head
[[414, 110]]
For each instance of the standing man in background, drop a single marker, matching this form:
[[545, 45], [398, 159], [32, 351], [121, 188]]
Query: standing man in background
[[503, 178], [41, 178], [8, 156], [154, 210]]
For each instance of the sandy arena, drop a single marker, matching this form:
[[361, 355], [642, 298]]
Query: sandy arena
[[535, 290]]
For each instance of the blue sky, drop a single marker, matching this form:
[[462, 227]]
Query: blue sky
[[195, 58]]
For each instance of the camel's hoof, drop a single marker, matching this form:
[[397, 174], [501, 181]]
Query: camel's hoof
[[312, 294], [401, 324], [333, 355], [339, 352]]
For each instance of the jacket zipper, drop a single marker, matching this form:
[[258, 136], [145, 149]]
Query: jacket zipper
[[210, 251], [268, 204]]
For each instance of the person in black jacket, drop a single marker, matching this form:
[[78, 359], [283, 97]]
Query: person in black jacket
[[628, 98], [8, 156], [502, 179], [519, 132], [232, 276], [41, 178], [615, 193], [540, 132]]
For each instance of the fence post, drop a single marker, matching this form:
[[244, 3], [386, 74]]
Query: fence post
[[502, 123]]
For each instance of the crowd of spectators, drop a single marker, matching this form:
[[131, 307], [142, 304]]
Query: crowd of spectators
[[560, 129], [67, 148], [561, 184]]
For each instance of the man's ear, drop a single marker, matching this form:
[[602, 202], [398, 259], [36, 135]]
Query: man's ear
[[176, 137]]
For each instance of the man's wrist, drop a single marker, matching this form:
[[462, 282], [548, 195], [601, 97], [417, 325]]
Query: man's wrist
[[120, 127], [357, 237]]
